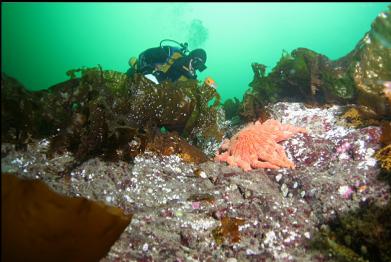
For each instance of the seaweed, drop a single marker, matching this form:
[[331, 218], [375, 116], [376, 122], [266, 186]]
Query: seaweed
[[107, 113], [171, 143], [231, 108], [384, 157], [358, 235], [229, 230], [303, 75], [39, 224], [360, 116]]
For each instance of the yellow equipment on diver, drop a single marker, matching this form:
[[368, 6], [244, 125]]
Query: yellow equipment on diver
[[210, 82], [133, 62]]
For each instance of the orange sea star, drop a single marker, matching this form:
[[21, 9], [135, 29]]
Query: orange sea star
[[256, 146]]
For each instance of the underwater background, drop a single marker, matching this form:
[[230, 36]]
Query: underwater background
[[111, 167], [42, 41]]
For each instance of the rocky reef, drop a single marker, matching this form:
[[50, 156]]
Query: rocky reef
[[131, 160], [204, 210], [104, 112], [359, 77]]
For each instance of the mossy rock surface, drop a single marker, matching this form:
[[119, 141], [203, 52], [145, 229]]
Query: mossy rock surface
[[304, 75]]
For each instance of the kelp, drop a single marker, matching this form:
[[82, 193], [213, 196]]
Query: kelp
[[228, 230], [359, 116], [104, 111], [19, 108], [304, 75], [205, 122], [231, 108], [358, 235], [39, 224], [171, 143], [307, 76], [263, 92], [383, 155], [384, 158]]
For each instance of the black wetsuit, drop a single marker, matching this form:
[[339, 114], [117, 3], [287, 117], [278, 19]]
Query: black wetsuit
[[150, 57], [178, 69], [159, 55]]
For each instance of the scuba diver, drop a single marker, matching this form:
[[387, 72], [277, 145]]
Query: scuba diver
[[168, 63]]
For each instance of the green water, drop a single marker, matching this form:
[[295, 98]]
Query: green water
[[41, 41]]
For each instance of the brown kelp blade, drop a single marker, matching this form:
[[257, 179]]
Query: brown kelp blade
[[39, 224]]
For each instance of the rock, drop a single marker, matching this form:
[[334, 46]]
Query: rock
[[175, 209], [361, 77], [105, 112]]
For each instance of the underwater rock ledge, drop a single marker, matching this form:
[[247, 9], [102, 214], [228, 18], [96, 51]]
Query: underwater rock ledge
[[186, 211], [106, 113], [98, 136], [362, 77]]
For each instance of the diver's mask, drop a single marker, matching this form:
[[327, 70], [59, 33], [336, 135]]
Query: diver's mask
[[198, 64]]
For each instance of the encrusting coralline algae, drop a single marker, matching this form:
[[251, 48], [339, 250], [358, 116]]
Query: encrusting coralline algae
[[178, 207]]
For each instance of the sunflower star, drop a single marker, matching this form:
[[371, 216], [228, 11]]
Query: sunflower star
[[256, 146]]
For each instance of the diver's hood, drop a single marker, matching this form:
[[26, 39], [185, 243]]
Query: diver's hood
[[199, 57], [201, 67]]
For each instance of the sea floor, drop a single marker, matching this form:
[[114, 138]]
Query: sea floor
[[213, 212]]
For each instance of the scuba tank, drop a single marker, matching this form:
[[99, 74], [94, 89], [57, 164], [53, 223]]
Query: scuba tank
[[165, 57], [183, 47], [173, 53]]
